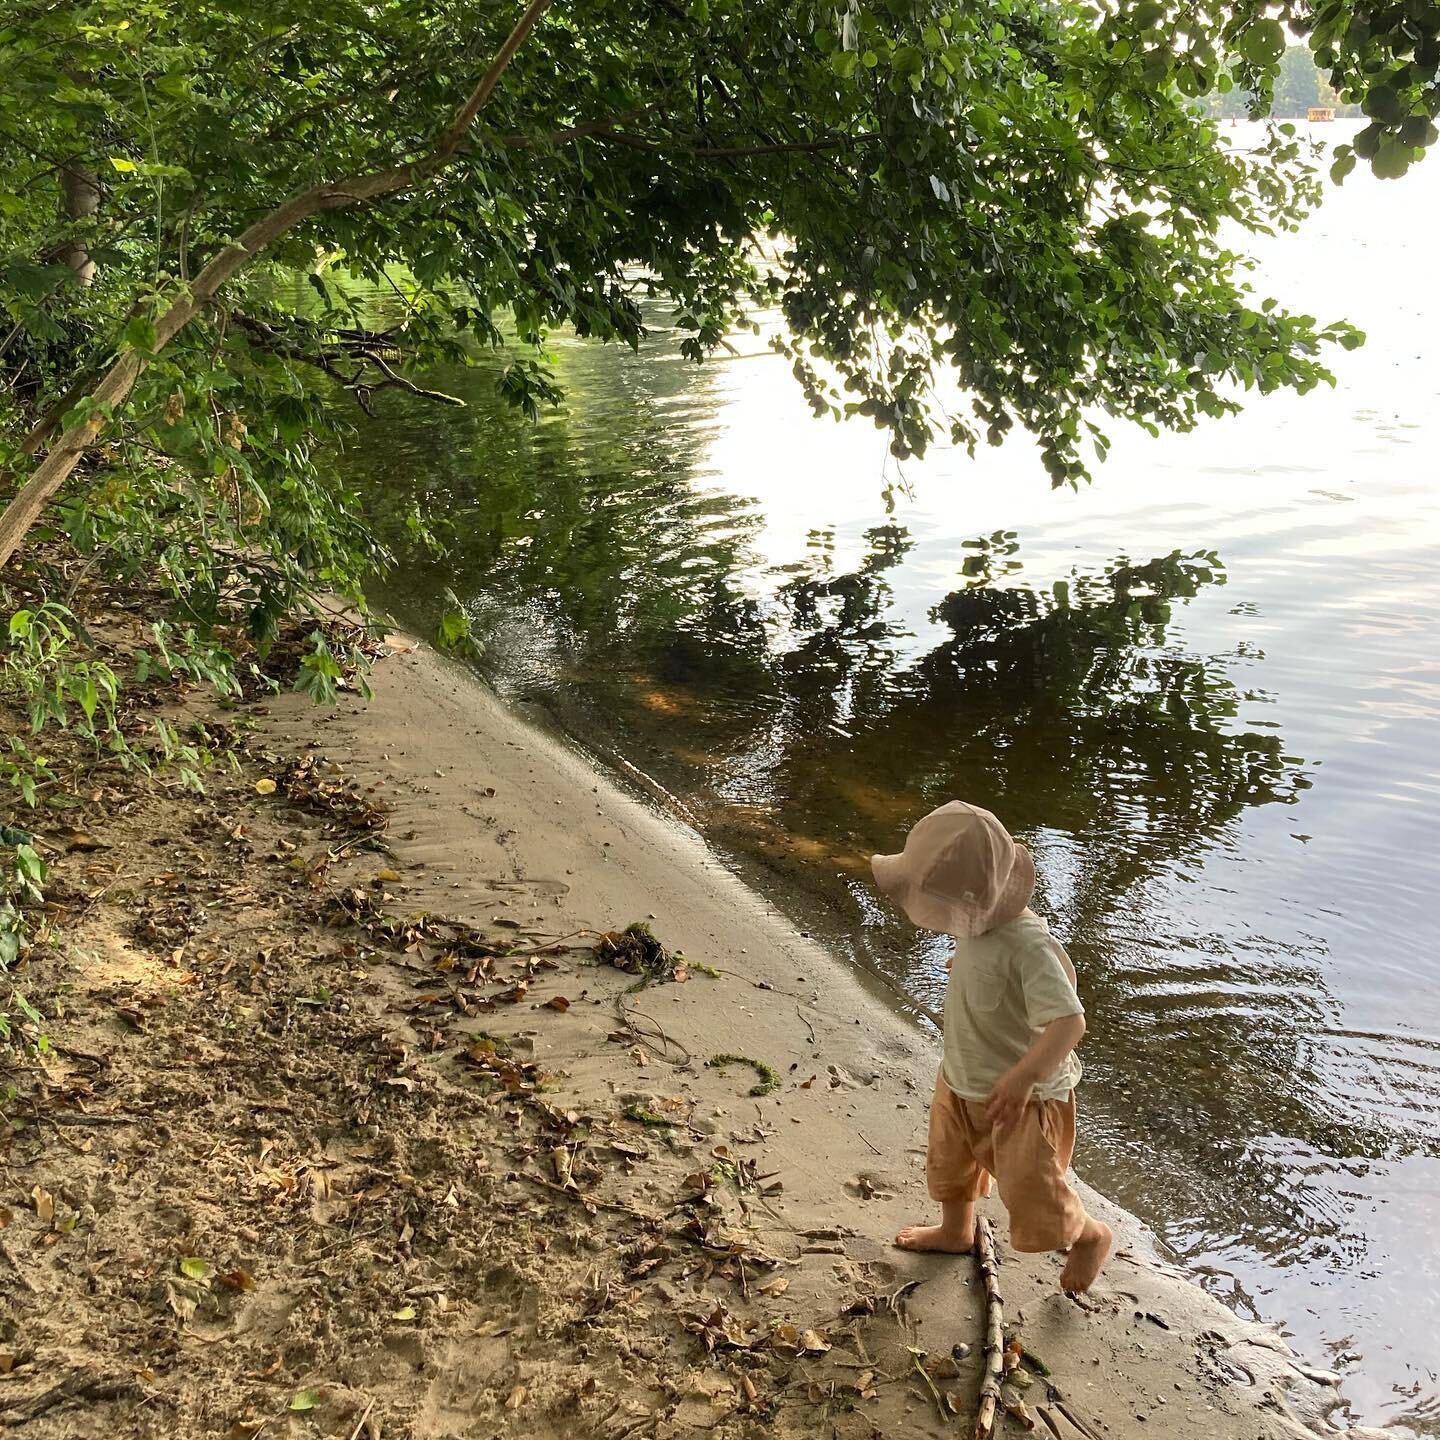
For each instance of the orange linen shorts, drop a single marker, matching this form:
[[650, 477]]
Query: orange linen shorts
[[1028, 1159]]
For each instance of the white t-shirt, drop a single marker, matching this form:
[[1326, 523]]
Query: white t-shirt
[[1004, 986]]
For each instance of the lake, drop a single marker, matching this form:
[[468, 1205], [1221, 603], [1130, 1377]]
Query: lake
[[1205, 690]]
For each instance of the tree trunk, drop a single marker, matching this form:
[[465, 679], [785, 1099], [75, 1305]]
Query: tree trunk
[[79, 199], [31, 499]]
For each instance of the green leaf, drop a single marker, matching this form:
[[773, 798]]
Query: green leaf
[[123, 165], [139, 334], [196, 1268], [1392, 159], [1263, 43], [306, 1400], [1383, 104], [1367, 141]]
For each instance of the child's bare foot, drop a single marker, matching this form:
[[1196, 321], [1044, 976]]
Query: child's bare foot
[[942, 1239], [1087, 1257]]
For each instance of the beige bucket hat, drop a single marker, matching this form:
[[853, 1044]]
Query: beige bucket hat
[[960, 873]]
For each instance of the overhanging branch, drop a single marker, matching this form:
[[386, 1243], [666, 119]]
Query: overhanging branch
[[115, 386]]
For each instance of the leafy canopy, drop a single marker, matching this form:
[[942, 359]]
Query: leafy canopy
[[1020, 197], [1018, 192]]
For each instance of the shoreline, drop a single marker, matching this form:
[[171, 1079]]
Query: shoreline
[[353, 1119], [485, 779]]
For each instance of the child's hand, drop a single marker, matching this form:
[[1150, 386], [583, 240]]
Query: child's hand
[[1006, 1103]]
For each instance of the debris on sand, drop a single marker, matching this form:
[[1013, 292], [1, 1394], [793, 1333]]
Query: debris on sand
[[637, 951], [769, 1080]]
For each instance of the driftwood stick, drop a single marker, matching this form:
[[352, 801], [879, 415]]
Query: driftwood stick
[[364, 1416], [79, 1386], [994, 1329]]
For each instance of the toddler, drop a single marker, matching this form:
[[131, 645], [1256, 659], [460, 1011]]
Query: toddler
[[1005, 1097]]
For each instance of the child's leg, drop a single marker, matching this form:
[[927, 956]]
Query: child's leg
[[1087, 1256], [954, 1177], [1031, 1158]]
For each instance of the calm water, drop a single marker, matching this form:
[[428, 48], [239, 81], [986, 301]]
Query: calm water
[[1206, 691]]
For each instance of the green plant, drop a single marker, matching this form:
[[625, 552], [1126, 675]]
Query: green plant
[[56, 685], [22, 873]]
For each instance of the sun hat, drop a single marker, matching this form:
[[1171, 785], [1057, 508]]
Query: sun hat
[[960, 873]]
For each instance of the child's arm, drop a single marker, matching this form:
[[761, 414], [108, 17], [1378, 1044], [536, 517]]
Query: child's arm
[[1007, 1101]]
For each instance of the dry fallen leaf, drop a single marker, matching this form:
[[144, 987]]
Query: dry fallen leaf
[[44, 1204], [180, 1296], [812, 1342], [775, 1287], [516, 1398], [558, 1002], [7, 1361], [1016, 1408], [267, 787], [561, 1159]]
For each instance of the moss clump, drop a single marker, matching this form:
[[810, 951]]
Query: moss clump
[[644, 1115], [768, 1081]]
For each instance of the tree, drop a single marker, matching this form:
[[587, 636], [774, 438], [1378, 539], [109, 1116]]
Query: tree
[[1018, 192]]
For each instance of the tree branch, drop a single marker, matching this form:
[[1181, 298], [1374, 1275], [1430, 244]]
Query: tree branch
[[735, 152], [480, 96], [269, 339], [30, 501], [574, 132]]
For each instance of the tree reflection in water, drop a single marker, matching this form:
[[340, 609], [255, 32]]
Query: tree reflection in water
[[800, 714]]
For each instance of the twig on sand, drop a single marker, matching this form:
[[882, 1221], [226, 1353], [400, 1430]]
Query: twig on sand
[[80, 1386], [364, 1416], [874, 1149], [657, 1034], [994, 1329], [1086, 1430], [83, 1117], [917, 1364]]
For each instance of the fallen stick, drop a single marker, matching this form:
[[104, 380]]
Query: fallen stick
[[364, 1416], [917, 1364], [994, 1349], [79, 1386]]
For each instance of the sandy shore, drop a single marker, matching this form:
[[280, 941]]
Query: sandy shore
[[347, 1126], [504, 819]]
